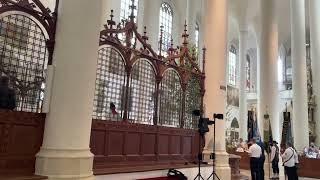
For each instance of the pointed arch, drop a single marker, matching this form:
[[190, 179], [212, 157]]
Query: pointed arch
[[110, 84], [170, 99], [142, 92]]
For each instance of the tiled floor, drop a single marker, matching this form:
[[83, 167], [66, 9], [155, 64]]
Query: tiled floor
[[247, 173]]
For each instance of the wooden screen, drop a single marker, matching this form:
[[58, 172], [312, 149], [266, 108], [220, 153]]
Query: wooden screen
[[110, 85]]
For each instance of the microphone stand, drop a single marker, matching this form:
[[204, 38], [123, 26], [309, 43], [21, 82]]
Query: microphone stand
[[213, 155], [199, 176]]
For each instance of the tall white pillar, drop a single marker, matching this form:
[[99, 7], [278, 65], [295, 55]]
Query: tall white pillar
[[315, 59], [243, 38], [215, 96], [299, 75], [268, 94], [65, 152]]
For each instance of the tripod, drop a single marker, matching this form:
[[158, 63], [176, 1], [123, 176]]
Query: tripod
[[199, 176], [213, 155]]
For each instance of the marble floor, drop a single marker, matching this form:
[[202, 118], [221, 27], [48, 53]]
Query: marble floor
[[247, 173]]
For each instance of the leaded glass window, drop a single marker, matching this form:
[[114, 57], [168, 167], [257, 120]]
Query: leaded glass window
[[24, 59], [197, 37], [165, 19], [142, 93], [232, 70], [125, 10], [110, 85], [192, 102], [170, 99]]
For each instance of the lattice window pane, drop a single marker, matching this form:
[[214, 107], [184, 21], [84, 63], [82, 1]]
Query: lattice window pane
[[192, 102], [24, 58], [170, 99], [125, 10], [165, 19], [142, 93], [110, 85]]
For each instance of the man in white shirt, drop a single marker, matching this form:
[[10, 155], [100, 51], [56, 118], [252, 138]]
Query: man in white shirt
[[290, 158], [255, 153], [275, 159]]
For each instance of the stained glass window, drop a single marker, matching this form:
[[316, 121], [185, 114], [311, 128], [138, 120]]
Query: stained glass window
[[248, 71], [232, 71]]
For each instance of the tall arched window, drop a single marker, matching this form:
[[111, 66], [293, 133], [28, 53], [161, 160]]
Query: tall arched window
[[165, 19], [197, 37], [232, 71], [248, 71], [125, 11]]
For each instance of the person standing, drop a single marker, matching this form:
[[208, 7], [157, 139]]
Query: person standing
[[255, 153], [290, 158], [7, 95], [274, 158], [261, 159]]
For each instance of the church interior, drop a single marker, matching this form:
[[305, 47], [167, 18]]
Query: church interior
[[159, 89]]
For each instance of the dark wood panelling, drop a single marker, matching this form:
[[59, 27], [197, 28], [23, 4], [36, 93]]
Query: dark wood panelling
[[163, 145], [148, 144], [20, 139], [309, 168], [123, 145], [244, 161]]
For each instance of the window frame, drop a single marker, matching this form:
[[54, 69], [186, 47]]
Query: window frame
[[232, 66], [166, 24], [125, 10]]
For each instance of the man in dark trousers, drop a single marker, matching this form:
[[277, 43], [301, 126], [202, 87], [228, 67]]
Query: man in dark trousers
[[255, 154], [290, 159], [275, 159], [261, 159], [7, 95]]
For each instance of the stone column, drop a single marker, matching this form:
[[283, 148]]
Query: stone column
[[65, 152], [299, 75], [243, 120], [215, 97], [268, 94], [315, 56]]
